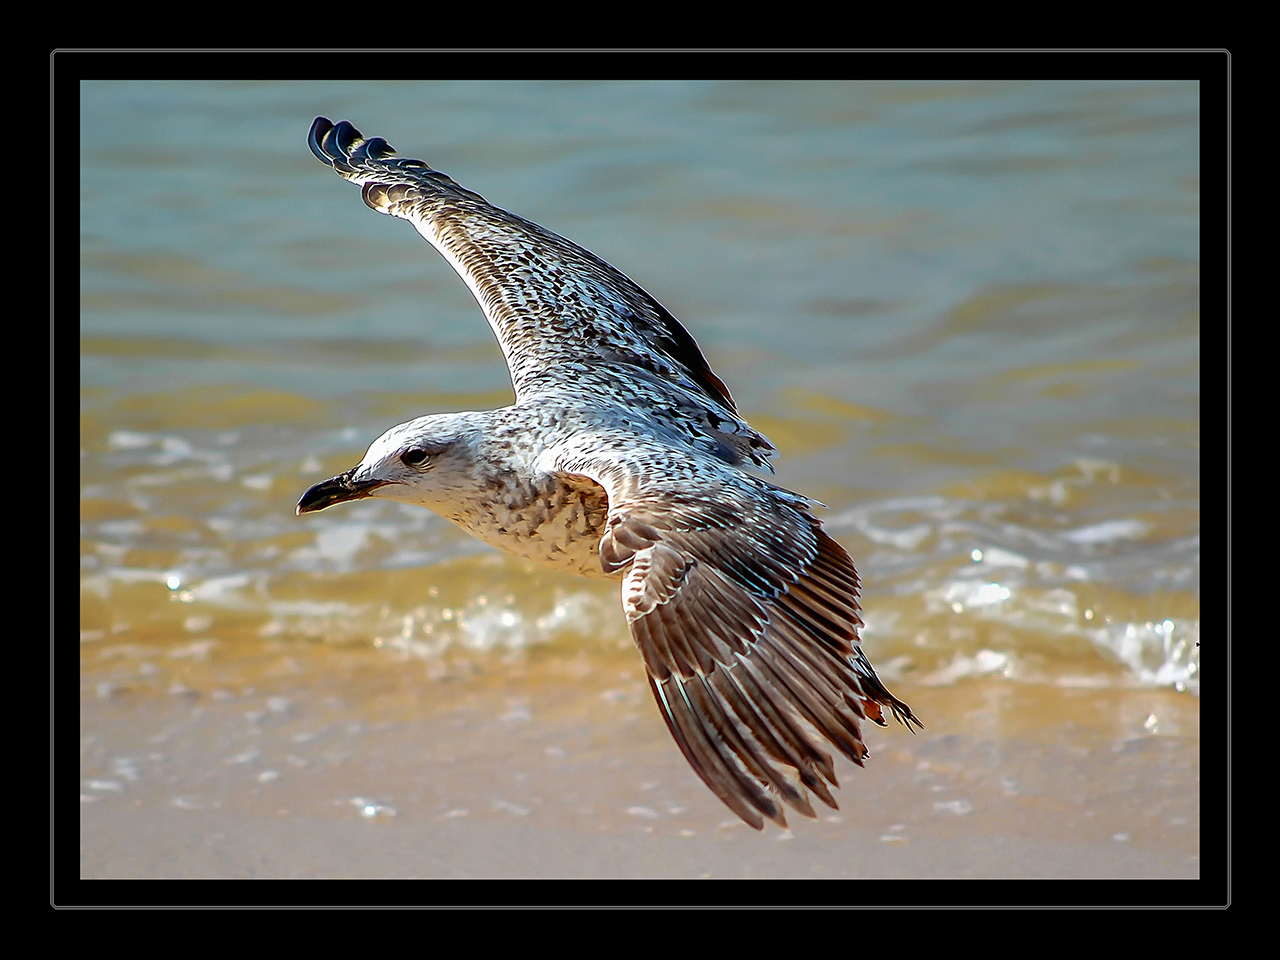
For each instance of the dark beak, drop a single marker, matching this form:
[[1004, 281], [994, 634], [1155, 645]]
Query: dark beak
[[336, 490]]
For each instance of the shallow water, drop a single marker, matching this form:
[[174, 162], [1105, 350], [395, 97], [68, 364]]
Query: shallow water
[[966, 313]]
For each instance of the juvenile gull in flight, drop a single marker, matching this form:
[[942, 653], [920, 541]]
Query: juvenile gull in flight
[[623, 457]]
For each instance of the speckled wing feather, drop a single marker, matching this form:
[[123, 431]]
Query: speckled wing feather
[[746, 614], [564, 317], [744, 610]]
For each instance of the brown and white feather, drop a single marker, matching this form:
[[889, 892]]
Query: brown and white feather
[[746, 614], [624, 456]]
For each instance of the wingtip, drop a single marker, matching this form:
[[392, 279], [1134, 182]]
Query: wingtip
[[334, 143], [341, 146], [320, 128]]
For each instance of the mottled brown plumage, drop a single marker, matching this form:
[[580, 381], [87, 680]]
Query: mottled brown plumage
[[623, 457]]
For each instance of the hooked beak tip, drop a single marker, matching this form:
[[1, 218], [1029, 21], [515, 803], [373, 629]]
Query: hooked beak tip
[[339, 489]]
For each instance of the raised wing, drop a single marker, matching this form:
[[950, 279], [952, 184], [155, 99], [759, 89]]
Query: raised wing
[[564, 317], [746, 614]]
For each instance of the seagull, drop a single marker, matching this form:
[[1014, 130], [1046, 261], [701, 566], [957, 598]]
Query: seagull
[[624, 457]]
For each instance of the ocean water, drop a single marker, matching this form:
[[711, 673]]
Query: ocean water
[[967, 314]]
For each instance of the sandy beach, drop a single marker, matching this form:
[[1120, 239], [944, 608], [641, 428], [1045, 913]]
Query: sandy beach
[[558, 767]]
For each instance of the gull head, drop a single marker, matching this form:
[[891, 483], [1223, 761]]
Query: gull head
[[428, 461]]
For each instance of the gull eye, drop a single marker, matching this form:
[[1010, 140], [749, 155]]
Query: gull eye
[[414, 457]]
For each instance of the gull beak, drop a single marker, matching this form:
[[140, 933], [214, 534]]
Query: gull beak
[[338, 489]]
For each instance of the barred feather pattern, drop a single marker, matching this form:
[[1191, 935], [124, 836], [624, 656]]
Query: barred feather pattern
[[746, 614]]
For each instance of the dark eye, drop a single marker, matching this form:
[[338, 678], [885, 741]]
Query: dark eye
[[414, 457]]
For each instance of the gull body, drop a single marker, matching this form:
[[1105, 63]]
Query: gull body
[[624, 457]]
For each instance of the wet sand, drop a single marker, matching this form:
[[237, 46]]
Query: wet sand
[[557, 766]]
